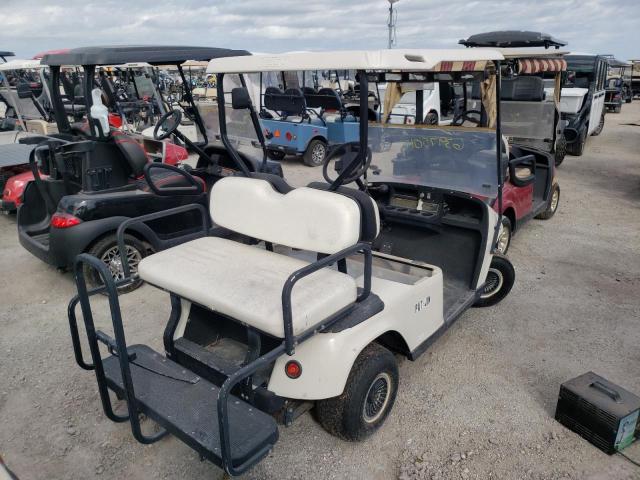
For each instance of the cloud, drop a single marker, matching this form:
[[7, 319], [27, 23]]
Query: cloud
[[30, 26]]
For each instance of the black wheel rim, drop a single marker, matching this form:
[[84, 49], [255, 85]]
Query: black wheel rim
[[377, 398]]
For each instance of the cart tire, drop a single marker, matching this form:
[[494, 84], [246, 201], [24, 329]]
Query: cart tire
[[275, 155], [504, 239], [431, 118], [600, 126], [499, 281], [561, 150], [315, 153], [577, 148], [552, 204], [368, 396], [107, 247]]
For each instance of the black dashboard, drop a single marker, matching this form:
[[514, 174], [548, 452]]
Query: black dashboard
[[424, 205]]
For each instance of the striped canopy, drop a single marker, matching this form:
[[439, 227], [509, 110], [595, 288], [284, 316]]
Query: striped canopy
[[539, 65]]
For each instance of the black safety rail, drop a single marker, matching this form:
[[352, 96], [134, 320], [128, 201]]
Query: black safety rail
[[235, 417]]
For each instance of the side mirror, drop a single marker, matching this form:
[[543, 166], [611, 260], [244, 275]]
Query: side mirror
[[240, 99], [23, 90]]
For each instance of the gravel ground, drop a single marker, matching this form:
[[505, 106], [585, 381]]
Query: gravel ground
[[478, 404]]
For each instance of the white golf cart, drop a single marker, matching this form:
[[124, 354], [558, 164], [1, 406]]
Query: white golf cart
[[582, 99], [328, 282], [436, 103], [25, 90]]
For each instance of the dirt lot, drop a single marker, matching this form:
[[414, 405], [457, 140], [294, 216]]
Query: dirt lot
[[478, 404]]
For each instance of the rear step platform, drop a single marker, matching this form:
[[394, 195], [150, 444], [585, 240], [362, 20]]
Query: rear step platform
[[186, 406]]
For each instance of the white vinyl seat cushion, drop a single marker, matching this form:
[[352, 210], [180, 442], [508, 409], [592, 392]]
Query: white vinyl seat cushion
[[246, 282]]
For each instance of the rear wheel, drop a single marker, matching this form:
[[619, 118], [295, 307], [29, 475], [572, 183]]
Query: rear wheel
[[552, 205], [504, 239], [367, 399], [577, 148], [499, 282], [561, 149], [108, 252], [315, 153], [617, 109], [600, 126]]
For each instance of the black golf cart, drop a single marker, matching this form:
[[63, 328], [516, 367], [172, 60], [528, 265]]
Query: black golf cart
[[341, 277], [582, 99], [88, 181]]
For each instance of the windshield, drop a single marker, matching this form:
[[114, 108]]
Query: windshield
[[26, 107], [460, 156], [449, 158], [240, 130]]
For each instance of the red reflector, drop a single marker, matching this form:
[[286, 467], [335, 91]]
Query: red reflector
[[289, 136], [64, 220], [293, 369]]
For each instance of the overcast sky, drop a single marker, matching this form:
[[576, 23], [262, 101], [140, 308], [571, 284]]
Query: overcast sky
[[31, 26]]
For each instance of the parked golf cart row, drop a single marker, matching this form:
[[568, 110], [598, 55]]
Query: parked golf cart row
[[618, 89], [271, 287]]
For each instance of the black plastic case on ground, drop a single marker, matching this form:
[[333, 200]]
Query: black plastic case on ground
[[601, 412]]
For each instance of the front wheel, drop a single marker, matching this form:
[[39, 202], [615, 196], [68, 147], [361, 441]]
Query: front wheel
[[504, 239], [367, 399], [107, 251], [577, 148], [499, 282], [431, 118], [561, 150], [552, 205], [315, 153]]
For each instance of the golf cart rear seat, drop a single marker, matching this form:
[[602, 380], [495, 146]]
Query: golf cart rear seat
[[522, 89], [289, 103], [116, 163], [246, 283]]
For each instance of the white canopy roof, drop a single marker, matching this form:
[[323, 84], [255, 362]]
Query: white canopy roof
[[397, 59], [19, 64]]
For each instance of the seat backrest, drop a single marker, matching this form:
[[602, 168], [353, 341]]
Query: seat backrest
[[132, 151], [291, 101], [325, 98], [305, 218], [523, 89], [581, 82]]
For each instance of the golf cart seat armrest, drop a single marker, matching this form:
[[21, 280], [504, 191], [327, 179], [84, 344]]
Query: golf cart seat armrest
[[290, 338], [155, 216]]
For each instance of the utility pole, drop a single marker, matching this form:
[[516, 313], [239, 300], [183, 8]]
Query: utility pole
[[393, 16]]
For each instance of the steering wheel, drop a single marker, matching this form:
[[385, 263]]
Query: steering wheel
[[347, 152], [462, 117], [169, 123]]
